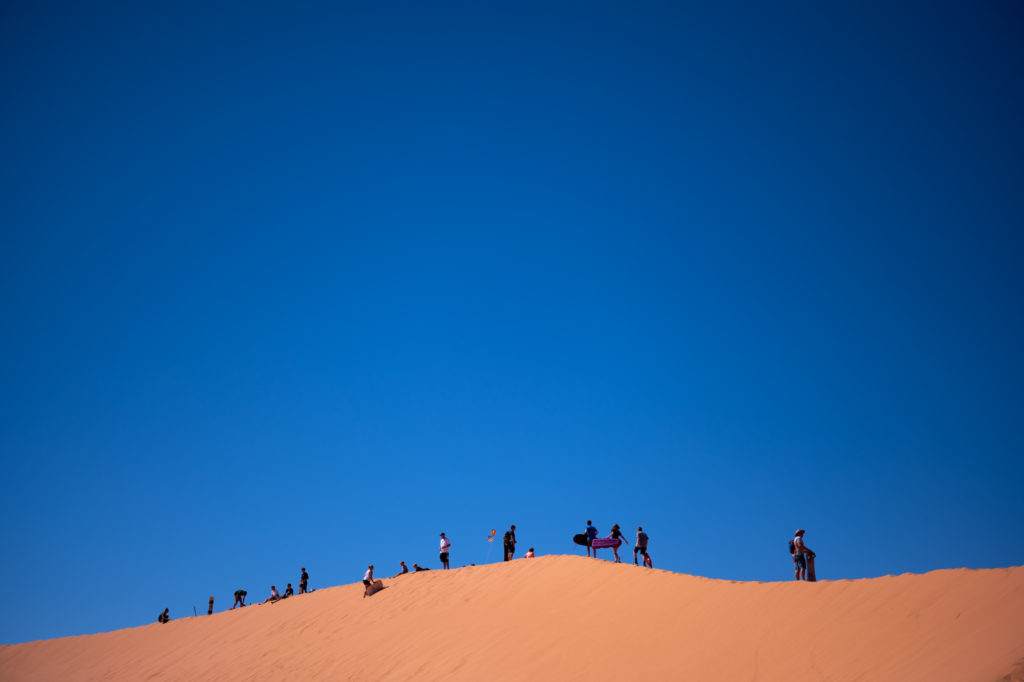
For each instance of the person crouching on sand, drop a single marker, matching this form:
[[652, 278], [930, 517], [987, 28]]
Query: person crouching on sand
[[529, 553], [367, 579], [164, 617], [239, 598]]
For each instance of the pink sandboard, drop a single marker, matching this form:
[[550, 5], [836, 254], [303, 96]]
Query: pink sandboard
[[601, 543]]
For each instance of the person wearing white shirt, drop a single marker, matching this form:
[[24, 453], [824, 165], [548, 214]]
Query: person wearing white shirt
[[445, 546], [367, 579]]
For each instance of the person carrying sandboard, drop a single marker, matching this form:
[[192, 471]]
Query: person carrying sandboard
[[591, 535]]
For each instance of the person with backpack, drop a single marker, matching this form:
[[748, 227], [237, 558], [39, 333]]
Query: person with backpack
[[800, 553], [591, 533], [641, 547]]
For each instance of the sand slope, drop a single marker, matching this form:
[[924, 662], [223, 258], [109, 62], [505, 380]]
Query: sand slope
[[572, 618]]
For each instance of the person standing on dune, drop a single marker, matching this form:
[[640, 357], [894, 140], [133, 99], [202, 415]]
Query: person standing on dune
[[800, 552], [510, 542], [446, 544], [591, 534], [616, 534], [303, 581], [641, 546]]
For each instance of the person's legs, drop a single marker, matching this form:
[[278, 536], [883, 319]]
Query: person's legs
[[615, 551], [800, 564], [635, 550]]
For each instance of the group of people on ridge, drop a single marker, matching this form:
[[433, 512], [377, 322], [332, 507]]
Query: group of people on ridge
[[800, 551], [639, 549], [274, 594]]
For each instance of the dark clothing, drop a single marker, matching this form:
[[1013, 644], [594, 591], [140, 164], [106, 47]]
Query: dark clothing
[[444, 557], [616, 533], [509, 540], [289, 592], [163, 618], [303, 581], [367, 583]]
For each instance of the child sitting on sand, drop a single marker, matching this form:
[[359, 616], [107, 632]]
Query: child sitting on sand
[[529, 553]]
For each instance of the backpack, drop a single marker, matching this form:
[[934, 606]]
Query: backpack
[[792, 547]]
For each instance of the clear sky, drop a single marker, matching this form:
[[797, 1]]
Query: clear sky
[[293, 285]]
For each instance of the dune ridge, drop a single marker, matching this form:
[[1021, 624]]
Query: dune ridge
[[572, 618]]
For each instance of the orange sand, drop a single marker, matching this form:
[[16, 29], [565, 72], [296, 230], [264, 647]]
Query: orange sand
[[572, 618]]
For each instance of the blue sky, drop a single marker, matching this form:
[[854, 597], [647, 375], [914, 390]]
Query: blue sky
[[291, 286]]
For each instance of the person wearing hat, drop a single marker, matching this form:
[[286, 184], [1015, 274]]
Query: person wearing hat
[[445, 546], [800, 552]]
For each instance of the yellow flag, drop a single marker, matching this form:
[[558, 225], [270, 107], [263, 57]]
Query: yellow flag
[[490, 538]]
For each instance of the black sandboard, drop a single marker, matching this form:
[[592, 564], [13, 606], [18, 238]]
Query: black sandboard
[[580, 539], [810, 569]]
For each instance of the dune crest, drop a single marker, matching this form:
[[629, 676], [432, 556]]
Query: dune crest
[[572, 618]]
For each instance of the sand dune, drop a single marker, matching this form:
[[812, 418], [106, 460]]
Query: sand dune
[[571, 618]]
